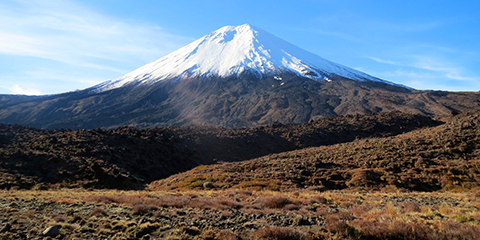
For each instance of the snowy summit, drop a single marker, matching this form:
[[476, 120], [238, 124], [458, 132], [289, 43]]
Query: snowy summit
[[232, 50]]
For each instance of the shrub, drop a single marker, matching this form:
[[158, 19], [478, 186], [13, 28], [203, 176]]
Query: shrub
[[456, 230], [259, 184], [98, 212], [275, 201], [179, 201], [146, 228], [226, 235], [319, 199], [279, 233], [208, 185], [411, 207], [208, 235], [223, 203], [463, 218], [143, 208], [99, 199], [393, 230], [334, 225]]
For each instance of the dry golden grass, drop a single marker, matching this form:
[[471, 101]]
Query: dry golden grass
[[248, 214]]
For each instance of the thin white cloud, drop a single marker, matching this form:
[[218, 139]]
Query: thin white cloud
[[16, 89], [383, 61], [66, 31], [455, 76], [443, 68]]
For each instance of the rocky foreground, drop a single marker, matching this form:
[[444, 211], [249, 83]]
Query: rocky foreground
[[393, 176], [238, 214]]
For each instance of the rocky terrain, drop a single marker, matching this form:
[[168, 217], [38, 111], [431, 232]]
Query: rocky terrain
[[374, 176], [129, 158], [238, 214], [436, 158]]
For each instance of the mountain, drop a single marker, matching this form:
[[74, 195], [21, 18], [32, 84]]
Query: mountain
[[234, 77], [231, 51]]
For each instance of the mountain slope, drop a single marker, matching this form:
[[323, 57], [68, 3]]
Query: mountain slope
[[233, 77], [227, 103]]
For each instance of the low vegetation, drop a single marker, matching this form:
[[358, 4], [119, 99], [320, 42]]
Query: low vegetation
[[129, 158], [240, 214], [445, 157], [414, 179]]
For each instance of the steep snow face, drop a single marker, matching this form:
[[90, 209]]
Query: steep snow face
[[232, 50]]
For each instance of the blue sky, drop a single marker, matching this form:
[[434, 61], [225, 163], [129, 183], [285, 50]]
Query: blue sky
[[57, 46]]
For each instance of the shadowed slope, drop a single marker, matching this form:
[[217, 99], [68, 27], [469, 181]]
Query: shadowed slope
[[429, 159], [130, 157]]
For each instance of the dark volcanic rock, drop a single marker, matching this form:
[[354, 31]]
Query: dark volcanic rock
[[51, 231]]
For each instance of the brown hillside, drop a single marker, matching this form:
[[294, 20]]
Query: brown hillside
[[130, 157], [429, 159]]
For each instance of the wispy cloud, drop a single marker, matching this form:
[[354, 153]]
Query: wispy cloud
[[16, 89], [383, 61], [426, 71], [68, 32], [444, 68]]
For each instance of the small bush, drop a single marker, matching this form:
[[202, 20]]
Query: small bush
[[279, 233], [345, 216], [208, 185], [224, 203], [334, 225], [99, 199], [98, 212], [463, 218], [146, 228], [319, 199], [208, 235], [393, 230], [411, 207], [275, 201], [226, 235], [456, 230], [143, 208]]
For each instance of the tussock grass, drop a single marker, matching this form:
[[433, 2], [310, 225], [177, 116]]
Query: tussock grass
[[251, 214]]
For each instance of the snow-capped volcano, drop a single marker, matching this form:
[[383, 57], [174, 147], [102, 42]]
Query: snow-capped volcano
[[232, 50], [234, 77]]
